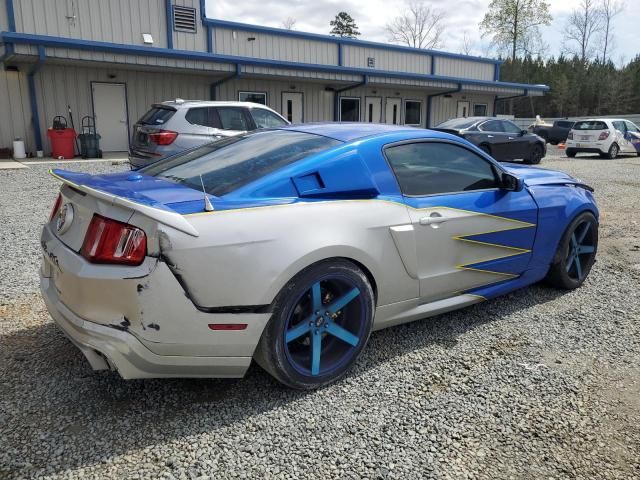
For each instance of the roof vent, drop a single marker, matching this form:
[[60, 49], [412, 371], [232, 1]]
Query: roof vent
[[184, 19]]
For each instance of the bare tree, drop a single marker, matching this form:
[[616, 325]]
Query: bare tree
[[420, 26], [582, 27], [289, 23], [609, 10], [467, 44]]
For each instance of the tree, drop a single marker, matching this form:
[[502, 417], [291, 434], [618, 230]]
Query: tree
[[609, 10], [467, 45], [420, 26], [583, 25], [289, 23], [514, 25], [344, 26]]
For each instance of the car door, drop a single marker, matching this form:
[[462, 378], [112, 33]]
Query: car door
[[470, 233], [621, 137], [518, 144], [494, 135], [633, 134]]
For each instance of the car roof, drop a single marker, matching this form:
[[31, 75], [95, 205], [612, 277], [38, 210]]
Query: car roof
[[180, 103], [602, 120], [348, 131]]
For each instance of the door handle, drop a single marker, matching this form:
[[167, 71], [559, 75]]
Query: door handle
[[433, 219], [511, 138], [489, 136]]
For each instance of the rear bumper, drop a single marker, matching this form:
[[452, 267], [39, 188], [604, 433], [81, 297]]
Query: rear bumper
[[109, 348]]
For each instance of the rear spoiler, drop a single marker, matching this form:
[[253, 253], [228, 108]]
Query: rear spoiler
[[161, 215]]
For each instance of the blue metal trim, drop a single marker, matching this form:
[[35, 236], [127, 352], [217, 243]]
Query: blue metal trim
[[33, 100], [62, 42], [340, 58], [343, 40], [203, 11], [433, 65], [8, 52], [496, 99], [336, 97], [430, 102], [11, 16], [214, 85], [169, 19], [496, 72]]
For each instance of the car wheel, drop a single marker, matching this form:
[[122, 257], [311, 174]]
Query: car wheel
[[613, 151], [576, 253], [570, 153], [553, 142], [321, 321], [535, 156]]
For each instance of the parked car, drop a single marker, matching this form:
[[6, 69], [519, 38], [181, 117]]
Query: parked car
[[553, 134], [289, 246], [605, 136], [175, 126], [501, 139]]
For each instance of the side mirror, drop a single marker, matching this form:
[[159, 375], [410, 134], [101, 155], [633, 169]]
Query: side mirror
[[523, 133], [511, 183]]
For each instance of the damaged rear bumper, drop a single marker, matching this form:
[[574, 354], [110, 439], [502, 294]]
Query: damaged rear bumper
[[108, 348]]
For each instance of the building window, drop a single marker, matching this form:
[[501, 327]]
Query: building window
[[184, 19], [479, 109], [349, 109], [254, 97], [413, 113]]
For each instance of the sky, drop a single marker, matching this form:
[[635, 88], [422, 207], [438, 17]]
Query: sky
[[371, 17]]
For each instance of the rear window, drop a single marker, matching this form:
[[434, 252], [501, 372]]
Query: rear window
[[157, 116], [231, 163], [590, 125]]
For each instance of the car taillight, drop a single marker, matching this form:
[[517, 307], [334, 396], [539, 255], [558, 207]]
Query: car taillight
[[570, 136], [110, 241], [56, 207], [604, 135], [163, 137]]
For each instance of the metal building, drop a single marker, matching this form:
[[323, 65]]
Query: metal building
[[113, 58]]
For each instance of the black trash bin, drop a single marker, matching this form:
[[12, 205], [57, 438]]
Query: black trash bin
[[89, 139]]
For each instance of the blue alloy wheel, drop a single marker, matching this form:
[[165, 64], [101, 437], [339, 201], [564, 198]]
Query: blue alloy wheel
[[321, 321]]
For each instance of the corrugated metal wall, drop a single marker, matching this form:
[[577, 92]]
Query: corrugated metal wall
[[455, 67], [15, 113], [274, 47], [187, 40], [445, 108], [353, 56]]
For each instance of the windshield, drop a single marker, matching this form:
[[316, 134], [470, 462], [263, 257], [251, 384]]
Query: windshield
[[229, 164], [458, 123], [590, 125]]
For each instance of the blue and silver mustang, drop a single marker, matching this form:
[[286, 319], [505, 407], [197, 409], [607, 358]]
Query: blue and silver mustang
[[289, 246]]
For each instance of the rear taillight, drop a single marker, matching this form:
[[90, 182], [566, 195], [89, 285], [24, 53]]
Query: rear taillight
[[570, 136], [604, 135], [56, 207], [110, 241], [163, 137]]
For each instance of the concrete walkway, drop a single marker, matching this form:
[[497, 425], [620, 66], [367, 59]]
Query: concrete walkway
[[117, 157]]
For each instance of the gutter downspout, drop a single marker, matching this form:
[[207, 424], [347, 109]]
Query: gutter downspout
[[214, 85], [169, 18], [33, 99], [336, 106], [430, 101], [495, 101]]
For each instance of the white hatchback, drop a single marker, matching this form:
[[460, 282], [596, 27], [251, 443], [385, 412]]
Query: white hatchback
[[605, 136]]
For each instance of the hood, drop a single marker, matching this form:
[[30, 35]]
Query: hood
[[533, 176]]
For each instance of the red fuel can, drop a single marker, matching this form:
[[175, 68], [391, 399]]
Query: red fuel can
[[62, 142]]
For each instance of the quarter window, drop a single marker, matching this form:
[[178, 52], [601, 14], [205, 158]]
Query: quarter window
[[266, 119], [413, 113], [430, 168], [254, 97]]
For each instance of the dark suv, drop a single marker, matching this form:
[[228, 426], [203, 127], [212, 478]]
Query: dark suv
[[172, 127]]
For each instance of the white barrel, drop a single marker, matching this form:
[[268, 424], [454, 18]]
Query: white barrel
[[18, 149]]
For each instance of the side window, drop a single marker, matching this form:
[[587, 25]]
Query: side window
[[632, 127], [620, 126], [266, 119], [491, 126], [511, 128], [429, 168], [198, 116], [232, 118]]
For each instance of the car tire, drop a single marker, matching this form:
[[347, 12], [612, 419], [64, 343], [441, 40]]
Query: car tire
[[312, 339], [570, 153], [536, 154], [576, 253], [554, 142], [613, 151]]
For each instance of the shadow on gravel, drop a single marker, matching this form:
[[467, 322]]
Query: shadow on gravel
[[55, 411]]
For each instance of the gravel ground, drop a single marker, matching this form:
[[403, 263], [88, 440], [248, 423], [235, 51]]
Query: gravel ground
[[538, 384]]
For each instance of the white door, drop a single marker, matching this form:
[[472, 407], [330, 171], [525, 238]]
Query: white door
[[373, 109], [463, 109], [292, 106], [110, 111], [392, 111]]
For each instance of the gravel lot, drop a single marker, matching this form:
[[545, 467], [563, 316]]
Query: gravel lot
[[537, 384]]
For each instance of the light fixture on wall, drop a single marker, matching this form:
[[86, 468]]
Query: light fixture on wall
[[251, 39], [111, 76], [448, 95], [292, 87], [147, 39]]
